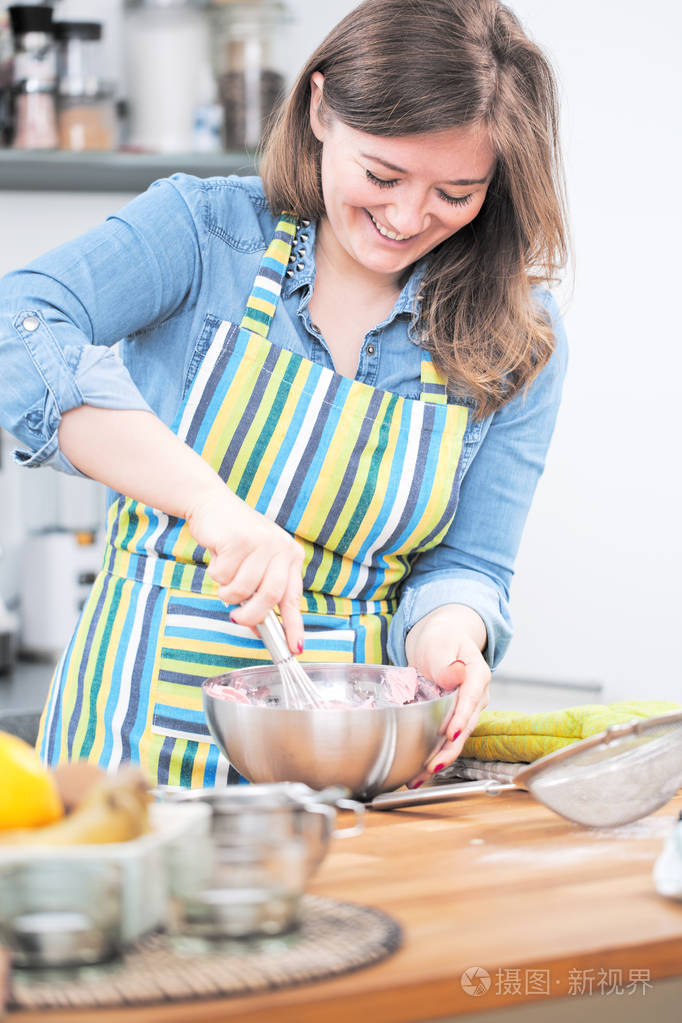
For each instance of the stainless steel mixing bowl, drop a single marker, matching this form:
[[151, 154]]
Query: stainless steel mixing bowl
[[366, 749]]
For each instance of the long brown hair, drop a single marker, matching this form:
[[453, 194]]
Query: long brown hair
[[406, 67]]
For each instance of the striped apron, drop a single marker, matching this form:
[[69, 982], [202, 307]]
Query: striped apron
[[363, 478]]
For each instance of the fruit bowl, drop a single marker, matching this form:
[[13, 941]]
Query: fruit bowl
[[110, 893]]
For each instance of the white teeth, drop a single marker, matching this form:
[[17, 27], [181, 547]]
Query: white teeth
[[389, 234]]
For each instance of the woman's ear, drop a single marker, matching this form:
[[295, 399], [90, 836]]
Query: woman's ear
[[316, 89]]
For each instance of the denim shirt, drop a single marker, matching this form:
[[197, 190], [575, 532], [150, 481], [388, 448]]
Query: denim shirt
[[119, 317]]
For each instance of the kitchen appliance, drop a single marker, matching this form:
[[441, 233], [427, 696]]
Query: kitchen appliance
[[34, 77], [9, 635], [6, 94], [57, 572], [368, 750], [86, 115], [608, 779], [9, 631]]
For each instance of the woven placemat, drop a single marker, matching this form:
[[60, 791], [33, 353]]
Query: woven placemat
[[333, 938]]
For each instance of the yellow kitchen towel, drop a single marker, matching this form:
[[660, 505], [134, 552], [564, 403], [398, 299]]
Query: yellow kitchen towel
[[513, 737]]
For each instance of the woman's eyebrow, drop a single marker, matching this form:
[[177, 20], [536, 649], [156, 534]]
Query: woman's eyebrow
[[399, 170]]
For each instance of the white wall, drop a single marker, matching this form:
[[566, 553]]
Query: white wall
[[596, 594]]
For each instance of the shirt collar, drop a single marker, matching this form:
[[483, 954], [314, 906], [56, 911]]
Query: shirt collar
[[410, 301], [301, 273]]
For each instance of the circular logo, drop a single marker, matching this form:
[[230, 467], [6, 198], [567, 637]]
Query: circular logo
[[475, 981]]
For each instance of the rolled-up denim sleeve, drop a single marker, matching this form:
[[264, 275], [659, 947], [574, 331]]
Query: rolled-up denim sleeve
[[61, 315], [474, 563]]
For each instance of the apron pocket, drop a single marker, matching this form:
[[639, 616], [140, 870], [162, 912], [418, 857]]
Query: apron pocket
[[198, 642]]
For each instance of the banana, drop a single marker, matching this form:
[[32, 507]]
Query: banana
[[74, 779], [114, 810]]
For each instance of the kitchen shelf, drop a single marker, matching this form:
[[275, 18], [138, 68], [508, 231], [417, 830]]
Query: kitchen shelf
[[57, 171]]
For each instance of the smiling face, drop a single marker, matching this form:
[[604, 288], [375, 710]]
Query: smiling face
[[390, 200]]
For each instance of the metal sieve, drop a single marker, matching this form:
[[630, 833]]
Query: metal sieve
[[608, 779]]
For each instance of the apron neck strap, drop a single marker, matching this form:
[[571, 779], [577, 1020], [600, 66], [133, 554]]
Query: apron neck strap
[[267, 287], [260, 308], [434, 386]]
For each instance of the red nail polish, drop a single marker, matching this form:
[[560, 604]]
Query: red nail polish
[[233, 619], [416, 785], [439, 767], [299, 646], [456, 735]]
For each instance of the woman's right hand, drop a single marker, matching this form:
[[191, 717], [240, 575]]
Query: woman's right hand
[[255, 562]]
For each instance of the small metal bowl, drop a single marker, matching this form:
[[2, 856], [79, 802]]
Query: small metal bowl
[[366, 749]]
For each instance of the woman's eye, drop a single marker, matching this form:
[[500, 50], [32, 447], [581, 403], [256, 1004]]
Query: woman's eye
[[381, 182], [456, 200]]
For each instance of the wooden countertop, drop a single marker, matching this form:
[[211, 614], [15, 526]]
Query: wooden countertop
[[502, 884]]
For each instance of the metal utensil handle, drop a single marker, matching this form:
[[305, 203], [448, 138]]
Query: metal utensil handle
[[439, 794], [272, 634], [325, 810], [331, 795], [358, 827]]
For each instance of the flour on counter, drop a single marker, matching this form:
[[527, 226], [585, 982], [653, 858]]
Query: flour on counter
[[647, 828]]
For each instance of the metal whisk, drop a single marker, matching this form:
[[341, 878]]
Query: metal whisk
[[298, 690]]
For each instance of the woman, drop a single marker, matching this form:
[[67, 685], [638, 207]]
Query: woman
[[341, 410]]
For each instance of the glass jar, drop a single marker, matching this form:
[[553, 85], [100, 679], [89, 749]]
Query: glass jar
[[168, 71], [34, 77], [249, 86], [86, 113], [87, 121], [240, 887], [60, 912]]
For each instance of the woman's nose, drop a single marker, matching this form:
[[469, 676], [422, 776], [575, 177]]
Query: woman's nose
[[407, 217]]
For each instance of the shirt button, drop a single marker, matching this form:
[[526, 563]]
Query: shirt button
[[371, 349], [31, 323]]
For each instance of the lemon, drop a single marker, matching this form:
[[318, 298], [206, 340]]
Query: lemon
[[28, 792]]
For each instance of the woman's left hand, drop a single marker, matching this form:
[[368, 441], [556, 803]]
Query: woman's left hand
[[445, 646]]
